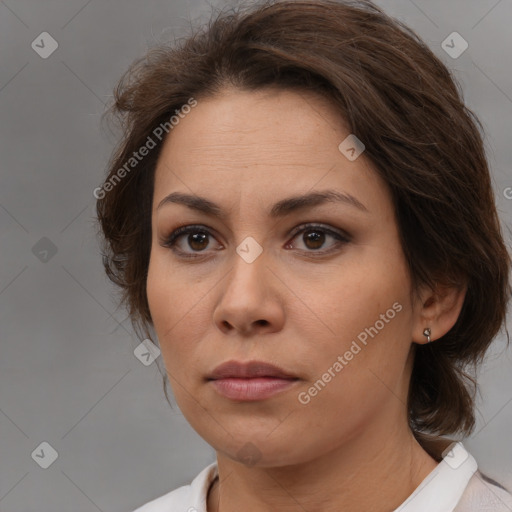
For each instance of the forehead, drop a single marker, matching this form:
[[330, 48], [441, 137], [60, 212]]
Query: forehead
[[240, 123], [260, 143]]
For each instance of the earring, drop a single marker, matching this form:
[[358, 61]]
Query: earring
[[426, 332]]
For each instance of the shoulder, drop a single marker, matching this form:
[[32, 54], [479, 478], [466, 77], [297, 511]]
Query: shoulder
[[188, 498], [483, 494]]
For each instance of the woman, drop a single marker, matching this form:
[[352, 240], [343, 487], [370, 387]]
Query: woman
[[321, 264]]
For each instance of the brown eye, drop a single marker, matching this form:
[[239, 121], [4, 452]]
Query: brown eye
[[198, 241], [313, 239], [317, 240], [190, 241]]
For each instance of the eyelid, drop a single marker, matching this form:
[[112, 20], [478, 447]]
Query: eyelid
[[327, 229], [167, 240]]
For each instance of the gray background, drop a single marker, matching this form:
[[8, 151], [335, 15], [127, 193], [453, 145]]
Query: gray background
[[68, 373]]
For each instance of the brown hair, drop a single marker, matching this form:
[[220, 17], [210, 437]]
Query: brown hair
[[405, 106]]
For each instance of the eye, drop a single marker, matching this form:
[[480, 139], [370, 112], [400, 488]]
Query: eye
[[198, 239], [190, 241], [315, 237]]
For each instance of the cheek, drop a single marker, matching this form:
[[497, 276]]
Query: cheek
[[353, 380], [180, 315], [352, 298], [364, 316], [169, 297], [168, 304], [160, 293]]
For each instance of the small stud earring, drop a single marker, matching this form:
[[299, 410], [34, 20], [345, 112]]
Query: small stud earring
[[427, 332]]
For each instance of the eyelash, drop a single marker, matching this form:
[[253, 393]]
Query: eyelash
[[171, 240]]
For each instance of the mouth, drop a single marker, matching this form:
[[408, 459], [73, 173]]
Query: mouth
[[250, 381]]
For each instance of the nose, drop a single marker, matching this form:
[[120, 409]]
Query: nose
[[250, 300]]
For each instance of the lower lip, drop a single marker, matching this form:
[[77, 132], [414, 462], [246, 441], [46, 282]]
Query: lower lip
[[252, 389]]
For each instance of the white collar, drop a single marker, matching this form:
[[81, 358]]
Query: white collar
[[444, 486]]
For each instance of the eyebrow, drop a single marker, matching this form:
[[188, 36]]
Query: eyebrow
[[280, 209]]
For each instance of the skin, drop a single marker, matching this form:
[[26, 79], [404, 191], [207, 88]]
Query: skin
[[245, 151]]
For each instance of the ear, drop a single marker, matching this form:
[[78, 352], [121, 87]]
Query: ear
[[438, 309]]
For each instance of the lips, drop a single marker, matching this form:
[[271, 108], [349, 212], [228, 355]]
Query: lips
[[252, 381], [250, 370]]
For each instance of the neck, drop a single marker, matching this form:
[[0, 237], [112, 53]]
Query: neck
[[370, 472]]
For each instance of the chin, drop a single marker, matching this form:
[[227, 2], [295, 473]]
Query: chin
[[258, 449]]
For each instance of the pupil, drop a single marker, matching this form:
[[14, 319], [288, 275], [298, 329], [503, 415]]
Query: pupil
[[198, 238], [314, 239]]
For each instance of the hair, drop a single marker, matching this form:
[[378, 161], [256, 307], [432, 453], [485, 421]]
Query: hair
[[400, 100]]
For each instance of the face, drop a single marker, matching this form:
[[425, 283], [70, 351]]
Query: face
[[317, 287]]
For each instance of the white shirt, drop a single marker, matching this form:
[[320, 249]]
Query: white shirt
[[454, 485]]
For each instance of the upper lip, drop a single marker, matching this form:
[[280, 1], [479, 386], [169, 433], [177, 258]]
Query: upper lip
[[248, 370]]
